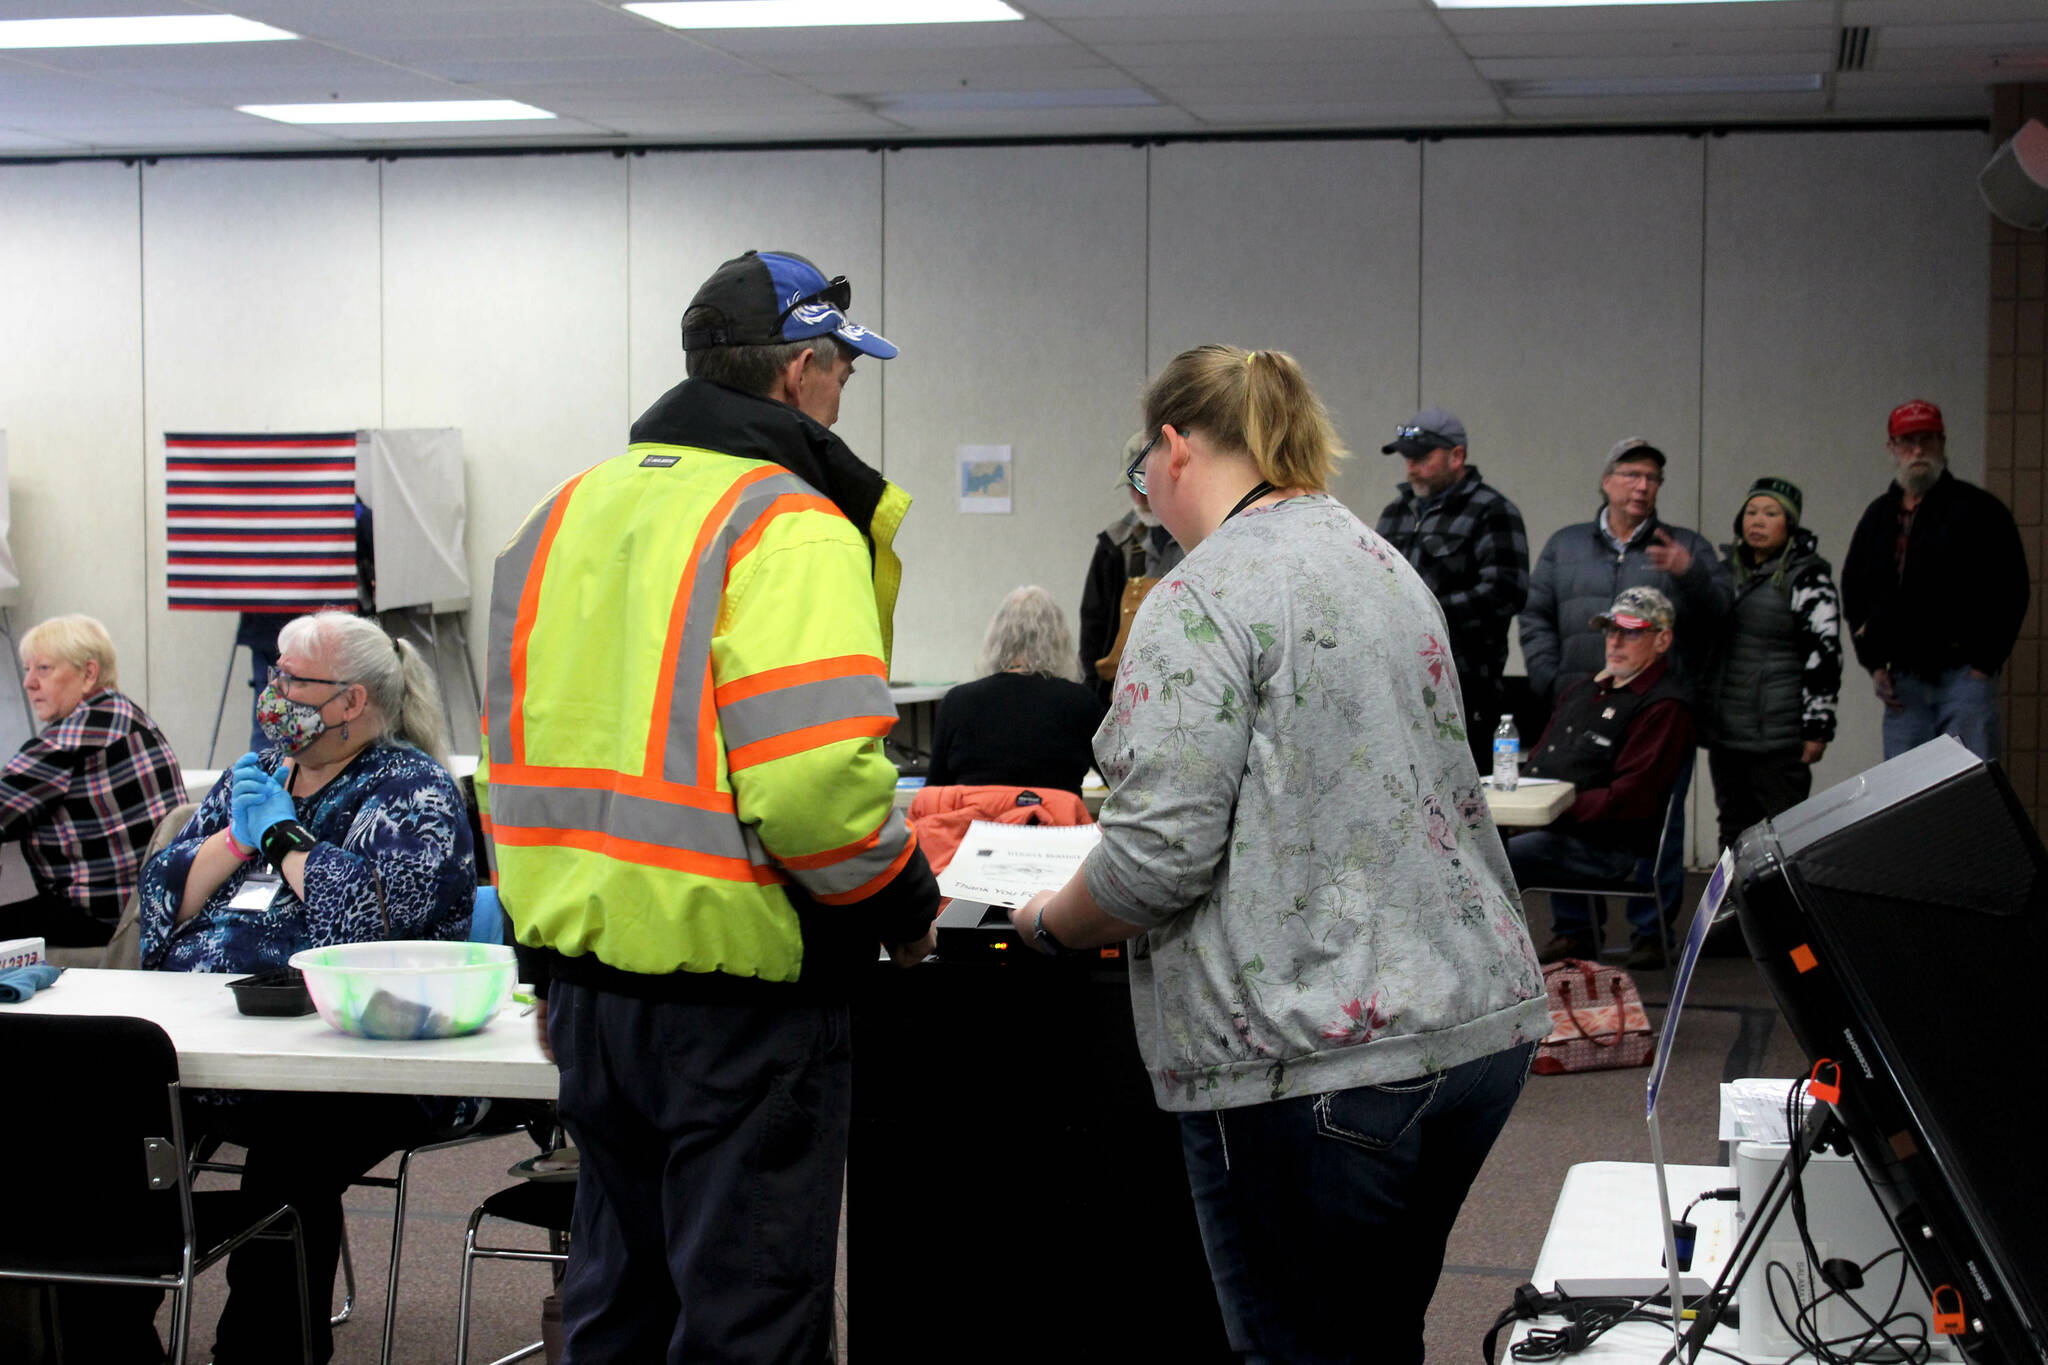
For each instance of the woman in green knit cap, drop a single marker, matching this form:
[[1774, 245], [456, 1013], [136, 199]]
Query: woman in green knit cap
[[1768, 702]]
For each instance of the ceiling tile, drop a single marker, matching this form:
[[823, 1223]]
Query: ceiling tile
[[1651, 43], [2002, 37], [1262, 22], [1347, 114], [1660, 18], [1718, 64], [1670, 108]]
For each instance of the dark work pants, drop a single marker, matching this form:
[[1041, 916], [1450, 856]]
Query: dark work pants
[[303, 1150], [1325, 1217], [1749, 787], [713, 1148]]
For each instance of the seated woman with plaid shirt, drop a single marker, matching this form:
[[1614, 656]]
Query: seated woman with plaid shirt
[[85, 795]]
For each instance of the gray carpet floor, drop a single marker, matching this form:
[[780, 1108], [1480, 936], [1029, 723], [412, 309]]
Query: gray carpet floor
[[1731, 1028]]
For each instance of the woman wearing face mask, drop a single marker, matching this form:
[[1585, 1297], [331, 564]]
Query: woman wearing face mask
[[355, 811], [1769, 698]]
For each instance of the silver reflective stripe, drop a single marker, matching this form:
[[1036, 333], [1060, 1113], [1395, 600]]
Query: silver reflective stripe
[[693, 655], [858, 871], [661, 823], [795, 708], [508, 583]]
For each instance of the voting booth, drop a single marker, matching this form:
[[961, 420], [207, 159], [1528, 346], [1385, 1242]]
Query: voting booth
[[278, 524]]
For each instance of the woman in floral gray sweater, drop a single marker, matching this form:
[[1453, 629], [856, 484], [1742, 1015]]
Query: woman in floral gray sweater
[[1331, 976]]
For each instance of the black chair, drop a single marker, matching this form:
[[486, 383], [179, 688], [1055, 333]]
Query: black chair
[[545, 1204], [1630, 888], [108, 1199]]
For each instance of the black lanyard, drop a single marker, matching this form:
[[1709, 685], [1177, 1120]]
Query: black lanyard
[[1259, 490]]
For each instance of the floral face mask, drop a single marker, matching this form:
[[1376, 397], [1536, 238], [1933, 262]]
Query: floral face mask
[[291, 725]]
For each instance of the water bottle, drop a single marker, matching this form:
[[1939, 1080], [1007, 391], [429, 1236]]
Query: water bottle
[[1507, 755]]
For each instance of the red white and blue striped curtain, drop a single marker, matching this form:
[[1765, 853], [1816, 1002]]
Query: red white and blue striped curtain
[[261, 522]]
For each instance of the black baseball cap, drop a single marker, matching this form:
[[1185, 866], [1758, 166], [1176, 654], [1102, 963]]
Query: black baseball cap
[[765, 298]]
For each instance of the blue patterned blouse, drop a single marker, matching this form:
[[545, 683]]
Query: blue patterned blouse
[[393, 819]]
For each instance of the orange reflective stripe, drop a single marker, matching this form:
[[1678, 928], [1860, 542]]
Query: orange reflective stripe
[[793, 675], [876, 882], [601, 779], [707, 530], [832, 856], [810, 737], [649, 855], [529, 602], [782, 506]]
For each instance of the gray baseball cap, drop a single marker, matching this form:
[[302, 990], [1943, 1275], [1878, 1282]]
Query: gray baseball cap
[[1430, 429]]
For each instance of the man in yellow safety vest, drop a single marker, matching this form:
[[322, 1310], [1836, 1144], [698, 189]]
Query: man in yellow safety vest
[[693, 821]]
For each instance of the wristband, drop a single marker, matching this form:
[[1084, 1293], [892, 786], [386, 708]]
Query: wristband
[[285, 838], [237, 847], [1042, 939]]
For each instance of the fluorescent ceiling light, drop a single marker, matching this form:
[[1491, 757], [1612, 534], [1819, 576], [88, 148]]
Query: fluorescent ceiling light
[[1566, 87], [146, 30], [943, 101], [398, 111], [1568, 4], [821, 13]]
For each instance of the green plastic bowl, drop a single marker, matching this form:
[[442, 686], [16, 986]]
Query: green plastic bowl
[[408, 988]]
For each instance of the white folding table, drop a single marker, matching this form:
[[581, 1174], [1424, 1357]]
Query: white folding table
[[222, 1049]]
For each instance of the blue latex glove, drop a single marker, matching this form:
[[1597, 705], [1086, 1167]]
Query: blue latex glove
[[258, 802], [487, 919]]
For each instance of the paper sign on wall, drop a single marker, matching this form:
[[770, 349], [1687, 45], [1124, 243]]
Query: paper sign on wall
[[984, 479]]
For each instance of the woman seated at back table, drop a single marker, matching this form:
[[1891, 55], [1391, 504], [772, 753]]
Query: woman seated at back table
[[355, 810], [1028, 722], [84, 796]]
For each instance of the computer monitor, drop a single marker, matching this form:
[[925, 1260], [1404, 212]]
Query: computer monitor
[[1901, 919]]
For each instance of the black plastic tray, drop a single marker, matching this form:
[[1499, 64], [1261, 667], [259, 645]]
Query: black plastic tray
[[279, 993]]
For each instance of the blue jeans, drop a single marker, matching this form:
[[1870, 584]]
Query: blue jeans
[[1953, 704], [1544, 857], [1325, 1217]]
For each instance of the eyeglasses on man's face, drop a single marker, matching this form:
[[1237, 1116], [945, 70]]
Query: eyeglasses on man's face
[[1919, 440], [1135, 475], [1648, 476]]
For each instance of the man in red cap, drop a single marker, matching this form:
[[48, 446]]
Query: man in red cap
[[1934, 588]]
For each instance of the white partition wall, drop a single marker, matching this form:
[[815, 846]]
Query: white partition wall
[[691, 211], [1307, 247], [1016, 288], [505, 308], [1844, 274], [1755, 298], [71, 398], [260, 310]]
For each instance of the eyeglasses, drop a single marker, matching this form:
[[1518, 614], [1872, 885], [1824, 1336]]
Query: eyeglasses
[[1629, 632], [1423, 434], [284, 681], [1649, 476], [1135, 475], [836, 292], [1919, 440]]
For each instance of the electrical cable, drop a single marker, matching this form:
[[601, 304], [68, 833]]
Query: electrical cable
[[1804, 1325]]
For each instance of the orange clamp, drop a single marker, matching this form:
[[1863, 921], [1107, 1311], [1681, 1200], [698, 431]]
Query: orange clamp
[[1827, 1092], [1948, 1322]]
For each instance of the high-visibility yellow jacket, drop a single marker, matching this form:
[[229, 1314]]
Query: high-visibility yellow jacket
[[683, 770]]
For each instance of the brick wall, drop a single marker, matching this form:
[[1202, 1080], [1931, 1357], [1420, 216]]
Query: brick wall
[[2015, 455]]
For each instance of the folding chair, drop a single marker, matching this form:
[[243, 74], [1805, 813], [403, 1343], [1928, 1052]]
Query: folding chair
[[547, 1204], [1631, 888], [109, 1200]]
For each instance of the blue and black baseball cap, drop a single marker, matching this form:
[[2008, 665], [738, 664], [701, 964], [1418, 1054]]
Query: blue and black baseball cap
[[765, 298]]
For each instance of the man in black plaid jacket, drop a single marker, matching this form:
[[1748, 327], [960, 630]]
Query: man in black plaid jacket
[[1467, 542]]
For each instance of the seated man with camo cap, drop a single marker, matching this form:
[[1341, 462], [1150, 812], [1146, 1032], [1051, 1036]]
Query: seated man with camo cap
[[1619, 738]]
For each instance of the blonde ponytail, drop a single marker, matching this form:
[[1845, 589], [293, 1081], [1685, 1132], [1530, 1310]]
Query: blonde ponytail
[[1259, 402]]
